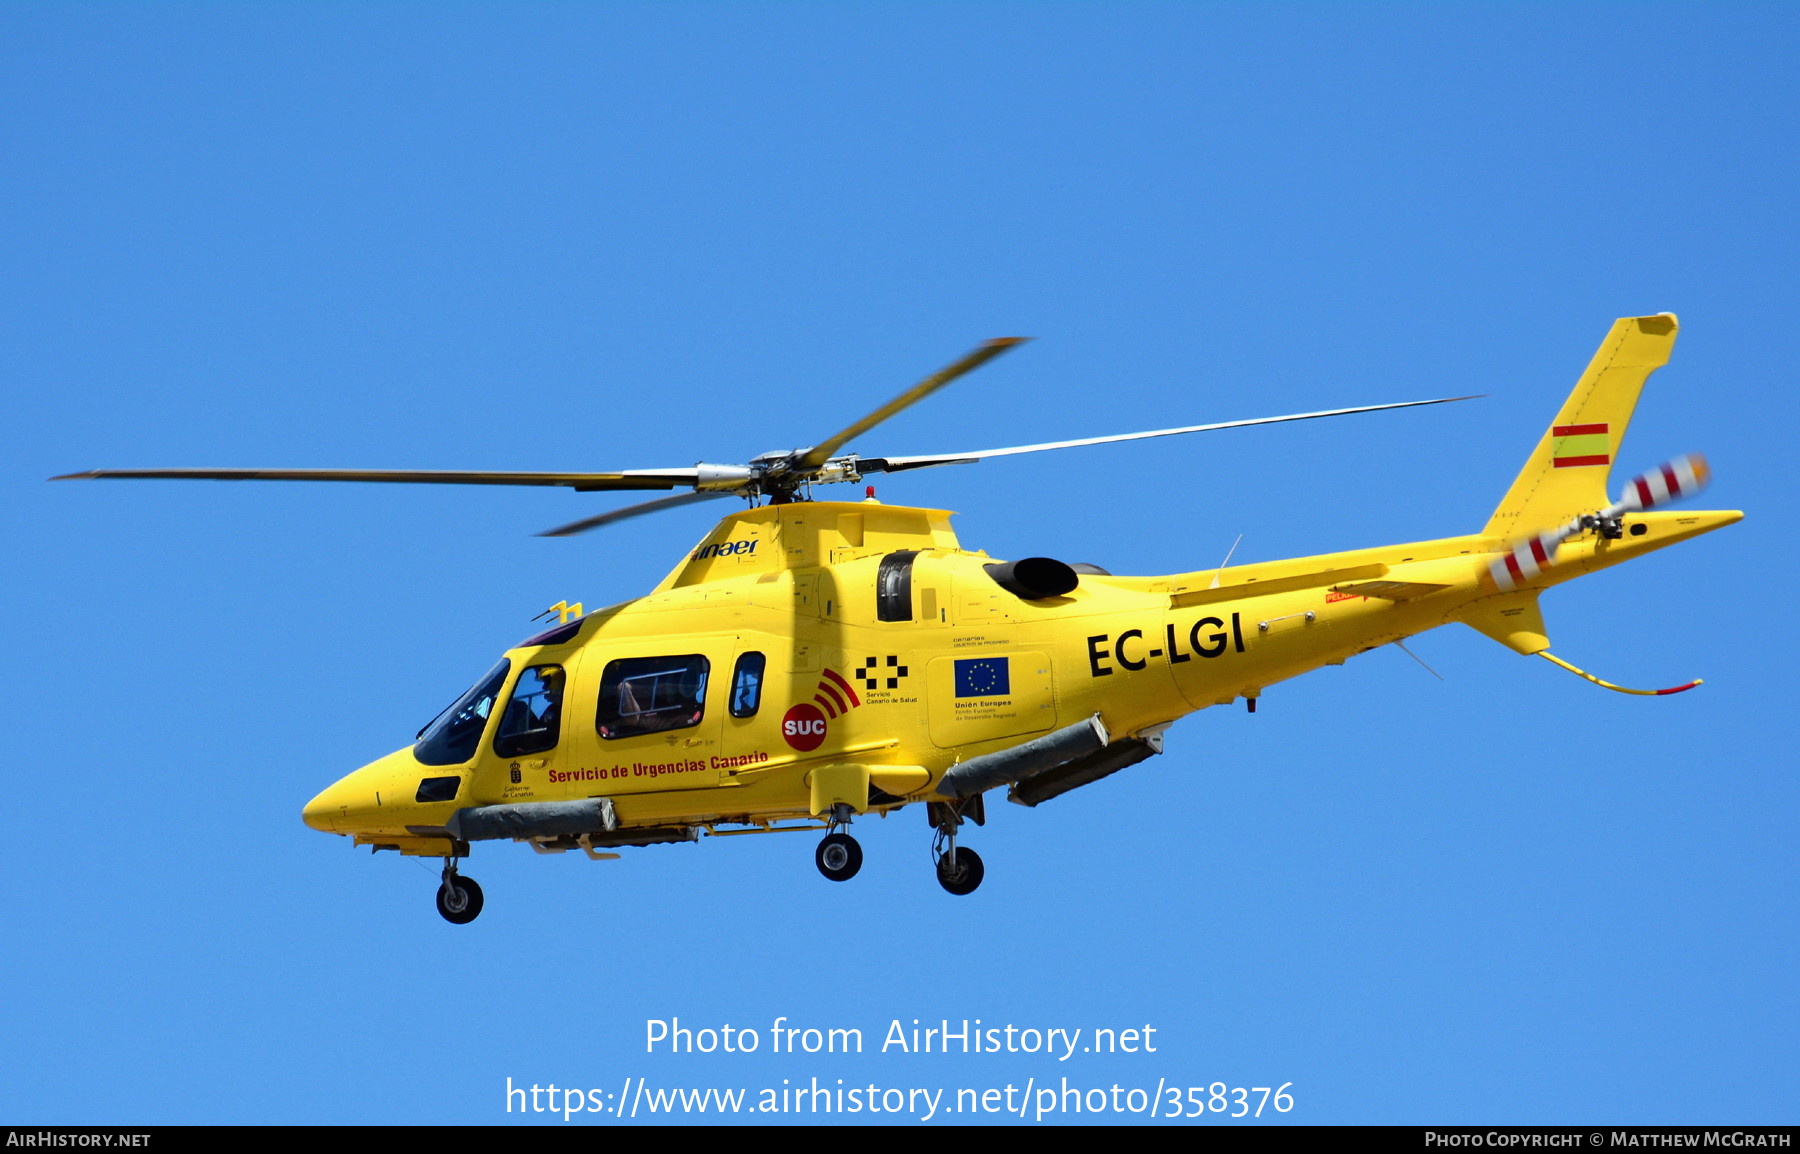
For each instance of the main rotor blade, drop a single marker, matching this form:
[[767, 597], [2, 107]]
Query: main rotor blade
[[896, 464], [638, 510], [585, 482], [822, 452]]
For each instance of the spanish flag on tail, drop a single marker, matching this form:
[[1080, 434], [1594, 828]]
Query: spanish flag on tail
[[1567, 473], [1577, 446]]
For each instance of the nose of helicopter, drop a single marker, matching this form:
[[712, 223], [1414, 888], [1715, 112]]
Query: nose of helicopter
[[359, 799], [322, 812]]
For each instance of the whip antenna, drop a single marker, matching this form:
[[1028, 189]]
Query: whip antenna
[[1586, 676]]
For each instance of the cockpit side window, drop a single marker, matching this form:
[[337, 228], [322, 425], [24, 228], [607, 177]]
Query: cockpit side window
[[746, 684], [533, 718], [456, 734], [651, 695]]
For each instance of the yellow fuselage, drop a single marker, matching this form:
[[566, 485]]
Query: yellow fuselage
[[904, 700]]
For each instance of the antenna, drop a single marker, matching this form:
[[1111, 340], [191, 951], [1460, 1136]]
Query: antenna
[[1419, 659], [1227, 561]]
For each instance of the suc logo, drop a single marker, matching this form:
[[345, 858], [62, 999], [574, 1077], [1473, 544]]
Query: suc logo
[[804, 727]]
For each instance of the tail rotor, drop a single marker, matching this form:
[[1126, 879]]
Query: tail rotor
[[1529, 559]]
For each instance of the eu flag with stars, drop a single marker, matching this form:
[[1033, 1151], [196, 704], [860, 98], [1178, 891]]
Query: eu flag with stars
[[983, 677]]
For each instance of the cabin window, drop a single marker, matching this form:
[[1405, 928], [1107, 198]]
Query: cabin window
[[455, 734], [746, 684], [533, 718], [893, 586], [651, 695]]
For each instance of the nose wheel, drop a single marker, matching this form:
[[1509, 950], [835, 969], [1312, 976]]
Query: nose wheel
[[839, 857], [458, 898]]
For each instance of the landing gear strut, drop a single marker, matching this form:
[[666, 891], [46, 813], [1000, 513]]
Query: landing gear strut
[[958, 870], [838, 855], [459, 898]]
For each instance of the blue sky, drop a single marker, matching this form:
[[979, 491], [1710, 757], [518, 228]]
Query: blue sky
[[631, 236]]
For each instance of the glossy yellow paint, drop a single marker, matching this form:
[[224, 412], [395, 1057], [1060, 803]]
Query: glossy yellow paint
[[972, 668], [1567, 472]]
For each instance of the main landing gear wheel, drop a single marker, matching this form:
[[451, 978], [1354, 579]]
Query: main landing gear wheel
[[458, 899], [839, 857], [963, 878]]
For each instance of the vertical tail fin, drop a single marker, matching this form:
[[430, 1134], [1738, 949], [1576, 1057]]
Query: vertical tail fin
[[1566, 475]]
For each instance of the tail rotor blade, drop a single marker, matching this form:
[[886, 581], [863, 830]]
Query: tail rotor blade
[[1682, 477], [1529, 558], [1525, 561]]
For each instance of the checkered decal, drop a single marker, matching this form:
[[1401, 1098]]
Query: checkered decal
[[876, 671]]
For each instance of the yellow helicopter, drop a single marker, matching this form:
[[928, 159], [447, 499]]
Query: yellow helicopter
[[810, 661]]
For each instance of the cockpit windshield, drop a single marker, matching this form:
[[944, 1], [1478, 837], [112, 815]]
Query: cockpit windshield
[[456, 734]]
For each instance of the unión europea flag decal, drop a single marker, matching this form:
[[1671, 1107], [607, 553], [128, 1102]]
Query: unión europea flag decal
[[983, 677]]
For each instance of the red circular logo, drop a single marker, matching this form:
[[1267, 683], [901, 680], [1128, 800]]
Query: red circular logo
[[804, 727]]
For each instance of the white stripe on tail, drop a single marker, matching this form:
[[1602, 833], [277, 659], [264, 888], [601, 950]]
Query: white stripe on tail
[[1525, 561]]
